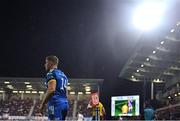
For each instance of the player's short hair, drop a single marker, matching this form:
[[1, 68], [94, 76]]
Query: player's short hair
[[53, 59]]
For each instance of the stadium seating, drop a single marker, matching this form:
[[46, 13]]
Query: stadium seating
[[16, 107], [70, 112], [36, 108], [29, 107], [82, 106], [169, 112]]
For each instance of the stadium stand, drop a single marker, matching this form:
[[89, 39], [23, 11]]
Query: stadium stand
[[23, 102], [16, 107], [157, 62], [82, 107]]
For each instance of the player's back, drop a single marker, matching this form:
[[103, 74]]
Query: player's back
[[60, 93]]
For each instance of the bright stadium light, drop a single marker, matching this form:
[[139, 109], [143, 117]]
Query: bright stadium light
[[172, 30], [41, 92], [137, 70], [162, 42], [87, 88], [27, 92], [26, 82], [29, 86], [175, 95], [80, 93], [15, 91], [21, 91], [88, 93], [178, 24], [132, 76], [68, 88], [34, 92], [142, 65], [147, 59], [72, 93], [169, 97], [158, 81], [154, 52], [6, 82], [10, 86], [148, 15]]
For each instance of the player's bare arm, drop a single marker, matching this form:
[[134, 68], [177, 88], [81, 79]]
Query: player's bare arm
[[49, 93]]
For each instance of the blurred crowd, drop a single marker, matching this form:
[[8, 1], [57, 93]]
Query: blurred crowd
[[36, 108], [82, 108], [170, 112], [16, 107], [19, 107], [70, 111], [22, 107]]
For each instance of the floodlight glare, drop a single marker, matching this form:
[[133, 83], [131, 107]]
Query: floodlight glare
[[172, 30], [72, 93], [147, 59], [88, 93], [148, 15], [162, 42]]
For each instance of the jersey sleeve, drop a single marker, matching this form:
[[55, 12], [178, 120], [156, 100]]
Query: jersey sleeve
[[50, 76]]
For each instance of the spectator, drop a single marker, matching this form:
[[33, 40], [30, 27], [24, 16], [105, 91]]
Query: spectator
[[16, 107], [148, 112], [80, 116], [98, 107]]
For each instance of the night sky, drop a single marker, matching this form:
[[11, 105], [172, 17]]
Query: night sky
[[93, 39]]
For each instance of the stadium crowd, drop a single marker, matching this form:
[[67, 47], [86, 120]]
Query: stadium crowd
[[21, 107], [16, 107], [171, 111], [82, 107]]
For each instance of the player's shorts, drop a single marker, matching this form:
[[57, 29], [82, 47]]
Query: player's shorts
[[58, 111]]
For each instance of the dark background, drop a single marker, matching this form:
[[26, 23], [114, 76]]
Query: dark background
[[93, 39]]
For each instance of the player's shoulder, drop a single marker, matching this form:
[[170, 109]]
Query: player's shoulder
[[49, 73], [58, 72], [52, 72]]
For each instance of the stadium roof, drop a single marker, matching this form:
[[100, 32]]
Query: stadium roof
[[156, 61], [37, 84]]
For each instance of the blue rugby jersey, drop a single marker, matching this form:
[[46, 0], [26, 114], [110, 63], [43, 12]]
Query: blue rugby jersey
[[60, 93]]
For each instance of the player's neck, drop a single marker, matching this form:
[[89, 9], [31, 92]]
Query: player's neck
[[54, 67]]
